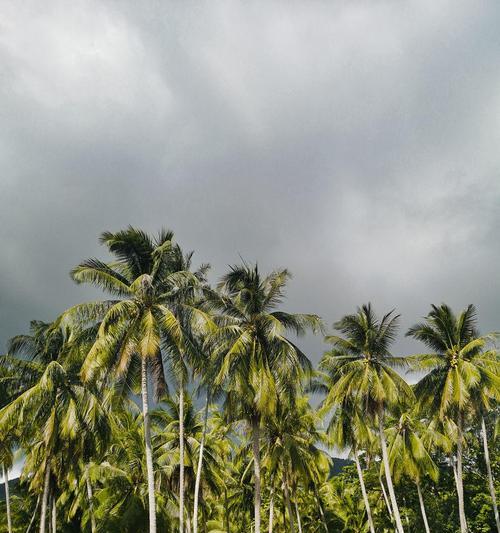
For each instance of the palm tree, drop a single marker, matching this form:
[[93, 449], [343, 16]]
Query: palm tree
[[291, 449], [458, 366], [58, 408], [121, 495], [491, 483], [7, 459], [154, 286], [361, 370], [411, 441], [348, 430], [32, 382], [256, 361], [7, 442]]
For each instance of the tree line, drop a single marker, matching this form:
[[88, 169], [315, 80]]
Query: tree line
[[102, 403]]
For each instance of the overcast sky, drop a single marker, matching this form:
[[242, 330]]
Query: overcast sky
[[356, 143]]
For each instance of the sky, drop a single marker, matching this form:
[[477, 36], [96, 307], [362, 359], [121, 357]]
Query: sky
[[353, 142]]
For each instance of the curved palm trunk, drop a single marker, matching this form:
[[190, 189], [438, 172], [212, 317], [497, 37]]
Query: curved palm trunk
[[33, 516], [90, 497], [297, 513], [181, 457], [271, 510], [199, 468], [388, 477], [45, 497], [256, 467], [147, 440], [7, 498], [422, 508], [54, 514], [363, 492], [287, 501], [490, 475], [459, 476]]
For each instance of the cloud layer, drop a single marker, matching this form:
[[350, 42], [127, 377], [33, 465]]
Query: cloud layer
[[355, 143]]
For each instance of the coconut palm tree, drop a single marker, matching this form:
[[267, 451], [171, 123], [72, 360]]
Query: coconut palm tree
[[348, 429], [256, 361], [491, 482], [34, 381], [151, 279], [120, 478], [58, 408], [458, 365], [411, 441], [361, 370], [7, 460], [291, 441]]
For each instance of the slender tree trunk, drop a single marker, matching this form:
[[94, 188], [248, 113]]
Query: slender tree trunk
[[459, 477], [287, 501], [90, 497], [386, 499], [33, 516], [388, 476], [320, 506], [226, 511], [256, 467], [188, 523], [422, 508], [54, 513], [490, 474], [49, 510], [7, 498], [45, 497], [363, 492], [199, 468], [147, 440], [271, 509], [454, 468], [181, 456], [297, 513]]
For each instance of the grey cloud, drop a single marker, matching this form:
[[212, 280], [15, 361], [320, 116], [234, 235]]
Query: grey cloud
[[355, 143]]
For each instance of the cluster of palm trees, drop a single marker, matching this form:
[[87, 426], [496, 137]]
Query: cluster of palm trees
[[96, 459]]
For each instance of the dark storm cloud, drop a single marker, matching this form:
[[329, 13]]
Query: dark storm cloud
[[354, 142]]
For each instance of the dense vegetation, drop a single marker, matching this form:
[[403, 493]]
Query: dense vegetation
[[176, 406]]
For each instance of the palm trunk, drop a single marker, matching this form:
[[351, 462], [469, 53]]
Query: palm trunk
[[287, 500], [7, 498], [199, 468], [297, 513], [271, 509], [490, 475], [49, 510], [226, 512], [363, 492], [45, 497], [256, 467], [181, 456], [33, 516], [459, 477], [54, 513], [320, 506], [388, 477], [147, 440], [386, 499], [422, 508], [90, 497]]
